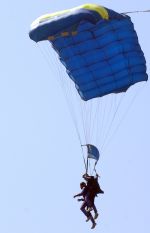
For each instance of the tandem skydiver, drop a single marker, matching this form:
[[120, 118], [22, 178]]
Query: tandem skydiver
[[86, 203], [93, 190]]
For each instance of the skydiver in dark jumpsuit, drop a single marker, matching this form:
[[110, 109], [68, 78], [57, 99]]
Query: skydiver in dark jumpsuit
[[86, 203], [91, 194]]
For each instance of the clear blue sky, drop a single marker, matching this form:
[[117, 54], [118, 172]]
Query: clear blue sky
[[40, 158]]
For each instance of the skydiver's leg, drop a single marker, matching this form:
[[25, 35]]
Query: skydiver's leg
[[87, 214], [83, 206], [91, 218], [89, 202], [94, 208], [95, 211], [91, 206]]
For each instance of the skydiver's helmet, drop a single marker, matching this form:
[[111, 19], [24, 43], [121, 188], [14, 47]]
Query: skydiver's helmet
[[82, 185]]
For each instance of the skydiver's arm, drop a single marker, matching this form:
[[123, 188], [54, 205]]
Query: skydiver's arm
[[80, 199], [82, 193], [79, 194]]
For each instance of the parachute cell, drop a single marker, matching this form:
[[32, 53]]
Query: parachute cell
[[98, 47]]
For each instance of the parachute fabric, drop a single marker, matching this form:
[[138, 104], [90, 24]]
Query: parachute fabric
[[98, 47]]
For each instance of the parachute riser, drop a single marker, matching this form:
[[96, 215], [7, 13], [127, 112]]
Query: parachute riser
[[86, 162], [87, 165], [92, 153]]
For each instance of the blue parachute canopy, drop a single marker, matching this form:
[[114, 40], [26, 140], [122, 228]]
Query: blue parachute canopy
[[98, 47], [93, 152]]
